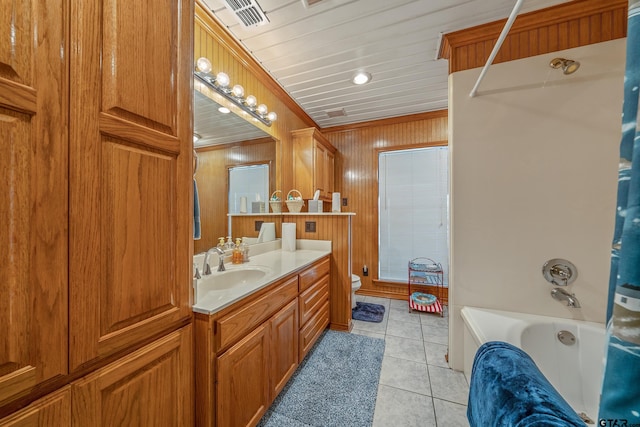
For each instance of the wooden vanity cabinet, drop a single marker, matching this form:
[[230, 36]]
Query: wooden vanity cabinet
[[247, 352], [256, 369], [314, 304], [313, 163]]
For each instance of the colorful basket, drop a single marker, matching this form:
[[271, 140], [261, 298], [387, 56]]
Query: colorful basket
[[275, 202], [294, 203]]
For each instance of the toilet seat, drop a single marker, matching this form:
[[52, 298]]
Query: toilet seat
[[355, 285], [355, 282]]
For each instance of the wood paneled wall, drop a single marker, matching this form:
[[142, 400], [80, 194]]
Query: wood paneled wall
[[245, 226], [565, 26], [357, 180], [335, 228], [213, 184]]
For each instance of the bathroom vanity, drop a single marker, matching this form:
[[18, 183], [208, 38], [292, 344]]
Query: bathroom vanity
[[249, 343]]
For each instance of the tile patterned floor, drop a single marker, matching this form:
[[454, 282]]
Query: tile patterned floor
[[417, 388]]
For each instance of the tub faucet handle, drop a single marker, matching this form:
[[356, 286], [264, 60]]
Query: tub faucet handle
[[559, 272]]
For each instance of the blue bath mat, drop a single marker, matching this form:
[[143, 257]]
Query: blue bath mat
[[368, 312], [336, 385]]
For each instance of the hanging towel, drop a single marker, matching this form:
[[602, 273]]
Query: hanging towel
[[508, 389], [196, 212]]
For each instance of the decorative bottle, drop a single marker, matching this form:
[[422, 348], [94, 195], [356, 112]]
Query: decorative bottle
[[244, 248], [237, 253]]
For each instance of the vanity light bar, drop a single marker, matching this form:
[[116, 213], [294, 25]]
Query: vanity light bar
[[220, 83]]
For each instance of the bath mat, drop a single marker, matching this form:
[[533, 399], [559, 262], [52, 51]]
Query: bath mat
[[368, 312], [335, 385]]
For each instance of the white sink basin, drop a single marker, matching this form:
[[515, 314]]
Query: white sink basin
[[219, 281]]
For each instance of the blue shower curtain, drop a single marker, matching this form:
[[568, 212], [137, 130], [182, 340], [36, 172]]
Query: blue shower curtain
[[620, 400]]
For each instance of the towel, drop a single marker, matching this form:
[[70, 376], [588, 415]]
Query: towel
[[508, 389], [196, 212]]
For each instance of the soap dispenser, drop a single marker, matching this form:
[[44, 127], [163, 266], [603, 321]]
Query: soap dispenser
[[237, 256], [244, 248], [229, 245]]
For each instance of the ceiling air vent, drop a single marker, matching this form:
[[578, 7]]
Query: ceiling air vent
[[247, 12], [336, 113], [309, 3]]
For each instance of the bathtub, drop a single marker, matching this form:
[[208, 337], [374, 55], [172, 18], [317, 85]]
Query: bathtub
[[574, 370]]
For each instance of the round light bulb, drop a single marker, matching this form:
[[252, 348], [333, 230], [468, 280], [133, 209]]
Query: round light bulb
[[251, 101], [262, 109], [224, 110], [203, 65], [222, 79], [361, 78], [237, 91], [272, 116]]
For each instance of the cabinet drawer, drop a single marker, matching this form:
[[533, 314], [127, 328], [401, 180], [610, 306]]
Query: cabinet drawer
[[312, 330], [238, 323], [310, 276], [312, 299]]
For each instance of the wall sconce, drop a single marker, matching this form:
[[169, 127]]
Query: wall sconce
[[221, 82], [568, 66]]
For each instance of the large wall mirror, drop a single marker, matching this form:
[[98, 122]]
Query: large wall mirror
[[227, 142]]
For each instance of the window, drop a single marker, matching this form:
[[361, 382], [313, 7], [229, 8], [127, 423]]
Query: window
[[413, 210], [250, 183]]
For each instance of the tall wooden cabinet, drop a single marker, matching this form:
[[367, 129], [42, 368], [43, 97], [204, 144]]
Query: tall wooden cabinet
[[313, 163], [95, 237], [34, 117], [130, 166]]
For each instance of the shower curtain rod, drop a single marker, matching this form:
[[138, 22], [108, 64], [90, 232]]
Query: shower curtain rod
[[496, 48]]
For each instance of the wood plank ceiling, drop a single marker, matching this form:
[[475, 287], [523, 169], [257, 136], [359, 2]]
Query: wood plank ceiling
[[314, 51]]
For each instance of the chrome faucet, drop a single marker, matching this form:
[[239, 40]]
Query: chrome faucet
[[562, 295], [206, 268]]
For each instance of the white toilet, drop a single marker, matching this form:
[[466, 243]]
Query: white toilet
[[355, 285]]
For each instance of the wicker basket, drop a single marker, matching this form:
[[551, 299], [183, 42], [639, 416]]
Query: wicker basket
[[295, 203], [275, 202]]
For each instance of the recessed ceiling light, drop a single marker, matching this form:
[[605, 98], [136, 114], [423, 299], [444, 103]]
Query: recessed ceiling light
[[361, 78], [224, 110]]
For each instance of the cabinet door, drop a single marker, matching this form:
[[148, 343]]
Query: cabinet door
[[130, 173], [52, 410], [34, 105], [319, 173], [284, 347], [329, 172], [152, 386], [243, 380]]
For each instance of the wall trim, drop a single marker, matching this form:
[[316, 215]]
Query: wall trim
[[437, 114], [567, 25]]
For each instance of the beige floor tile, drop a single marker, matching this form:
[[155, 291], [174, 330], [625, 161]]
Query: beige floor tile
[[435, 334], [405, 348], [406, 375], [400, 408], [450, 414], [404, 329], [448, 384], [436, 354]]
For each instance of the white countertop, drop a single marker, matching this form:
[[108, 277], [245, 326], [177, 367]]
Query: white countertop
[[295, 214], [277, 262]]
